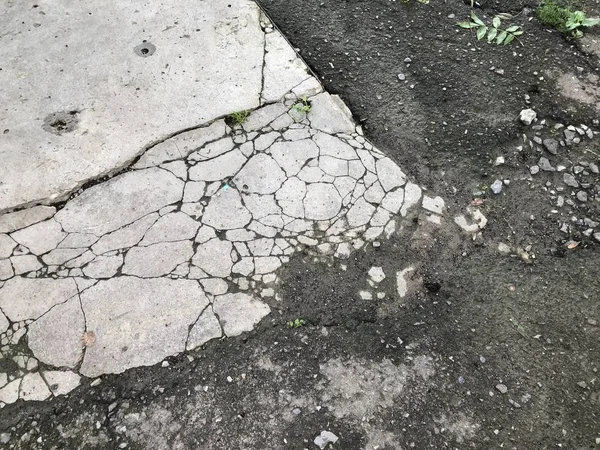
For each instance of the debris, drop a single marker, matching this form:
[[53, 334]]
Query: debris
[[326, 437], [496, 187], [504, 248], [502, 388], [534, 169], [518, 327], [376, 274], [545, 165], [477, 202], [572, 244], [527, 116], [570, 180], [551, 145], [499, 161], [401, 77]]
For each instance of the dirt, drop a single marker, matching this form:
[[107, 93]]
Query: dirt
[[419, 370]]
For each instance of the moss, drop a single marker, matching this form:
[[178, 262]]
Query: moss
[[553, 15]]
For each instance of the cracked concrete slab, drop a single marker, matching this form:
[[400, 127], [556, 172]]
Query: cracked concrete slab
[[184, 245]]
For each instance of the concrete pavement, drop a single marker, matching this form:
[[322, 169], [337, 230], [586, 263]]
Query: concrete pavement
[[183, 244]]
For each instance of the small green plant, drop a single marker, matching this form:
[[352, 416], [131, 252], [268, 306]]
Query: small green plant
[[494, 32], [296, 323], [564, 19], [239, 117], [577, 20], [303, 105]]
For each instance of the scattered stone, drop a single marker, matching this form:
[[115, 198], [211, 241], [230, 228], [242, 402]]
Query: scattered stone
[[496, 187], [502, 388], [527, 116], [570, 180], [435, 205], [325, 438], [545, 165], [551, 145], [401, 77], [534, 169], [499, 161], [504, 248], [569, 135], [376, 274], [582, 196]]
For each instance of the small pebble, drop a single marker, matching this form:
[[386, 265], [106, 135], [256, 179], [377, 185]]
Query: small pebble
[[496, 187], [501, 388]]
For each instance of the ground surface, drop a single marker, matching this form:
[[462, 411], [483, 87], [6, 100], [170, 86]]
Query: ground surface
[[433, 338]]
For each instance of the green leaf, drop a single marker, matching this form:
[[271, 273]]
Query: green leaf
[[512, 28], [501, 37], [505, 16], [476, 19], [496, 22], [590, 22], [509, 39], [481, 32], [492, 34], [518, 33], [571, 25], [467, 24], [577, 34]]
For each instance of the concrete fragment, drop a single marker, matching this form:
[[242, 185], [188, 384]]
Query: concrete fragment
[[120, 201], [34, 388], [225, 211], [29, 298], [138, 322], [175, 226], [41, 237], [239, 312], [61, 382], [207, 327], [157, 259], [55, 338]]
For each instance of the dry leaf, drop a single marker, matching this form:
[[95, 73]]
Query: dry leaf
[[572, 245], [88, 339]]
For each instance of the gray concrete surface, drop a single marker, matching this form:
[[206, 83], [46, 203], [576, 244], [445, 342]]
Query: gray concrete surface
[[184, 246]]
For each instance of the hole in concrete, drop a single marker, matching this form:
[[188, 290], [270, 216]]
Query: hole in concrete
[[6, 131], [61, 122], [145, 49]]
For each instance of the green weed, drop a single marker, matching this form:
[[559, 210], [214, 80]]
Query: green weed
[[239, 117], [493, 33], [303, 105], [296, 323], [561, 17]]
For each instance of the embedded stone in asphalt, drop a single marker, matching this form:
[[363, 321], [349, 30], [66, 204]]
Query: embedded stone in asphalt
[[138, 322]]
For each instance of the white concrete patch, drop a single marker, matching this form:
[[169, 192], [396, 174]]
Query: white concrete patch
[[123, 275], [402, 281]]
